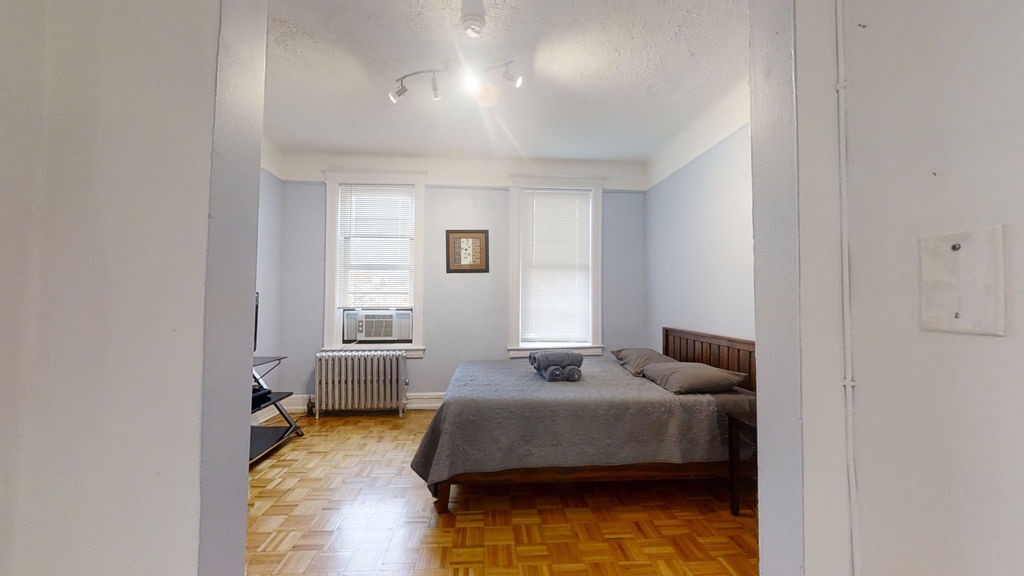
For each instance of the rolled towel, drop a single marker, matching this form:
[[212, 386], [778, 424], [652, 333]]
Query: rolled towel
[[554, 373], [542, 359], [573, 374]]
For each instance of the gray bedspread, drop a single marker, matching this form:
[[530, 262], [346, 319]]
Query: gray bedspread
[[501, 415]]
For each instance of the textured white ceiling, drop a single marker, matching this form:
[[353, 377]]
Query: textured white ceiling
[[604, 79]]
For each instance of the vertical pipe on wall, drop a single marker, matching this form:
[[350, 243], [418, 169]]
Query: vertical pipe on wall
[[848, 380]]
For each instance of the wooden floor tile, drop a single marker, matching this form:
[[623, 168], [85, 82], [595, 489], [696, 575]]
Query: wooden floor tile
[[342, 500]]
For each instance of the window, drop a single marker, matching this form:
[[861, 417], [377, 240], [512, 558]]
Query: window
[[557, 259], [376, 238], [372, 251]]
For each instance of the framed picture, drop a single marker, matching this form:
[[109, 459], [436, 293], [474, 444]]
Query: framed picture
[[466, 250]]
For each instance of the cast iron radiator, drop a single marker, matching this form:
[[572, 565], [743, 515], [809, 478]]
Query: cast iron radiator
[[361, 380]]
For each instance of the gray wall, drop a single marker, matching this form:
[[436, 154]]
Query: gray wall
[[625, 260], [466, 315], [269, 278], [302, 283], [700, 244]]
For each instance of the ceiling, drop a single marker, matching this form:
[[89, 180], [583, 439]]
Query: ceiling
[[604, 79]]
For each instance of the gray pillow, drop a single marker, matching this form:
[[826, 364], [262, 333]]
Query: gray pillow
[[635, 359], [692, 377]]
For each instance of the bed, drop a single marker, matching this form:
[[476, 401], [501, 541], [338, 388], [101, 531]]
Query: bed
[[502, 422]]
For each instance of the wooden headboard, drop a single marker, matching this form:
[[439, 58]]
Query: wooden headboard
[[721, 351]]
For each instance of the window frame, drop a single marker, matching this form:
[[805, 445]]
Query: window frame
[[333, 182], [595, 186]]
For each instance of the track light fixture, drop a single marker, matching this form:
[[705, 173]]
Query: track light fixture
[[398, 92], [401, 89], [433, 85], [472, 20], [472, 24], [514, 79]]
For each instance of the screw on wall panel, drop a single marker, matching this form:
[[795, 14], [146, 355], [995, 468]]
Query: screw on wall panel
[[956, 247], [956, 315]]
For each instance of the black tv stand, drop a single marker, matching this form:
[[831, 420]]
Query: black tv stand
[[263, 439]]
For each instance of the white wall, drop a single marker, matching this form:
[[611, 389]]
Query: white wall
[[929, 152], [777, 274], [22, 57], [445, 171], [826, 497], [111, 132], [232, 219], [936, 134], [730, 113], [700, 253], [466, 315]]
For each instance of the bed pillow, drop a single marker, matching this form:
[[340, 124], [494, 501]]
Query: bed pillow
[[635, 359], [692, 377]]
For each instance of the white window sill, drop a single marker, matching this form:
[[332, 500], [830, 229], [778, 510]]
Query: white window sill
[[411, 350], [521, 352]]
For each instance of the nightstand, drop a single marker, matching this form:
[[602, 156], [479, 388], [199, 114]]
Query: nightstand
[[742, 426]]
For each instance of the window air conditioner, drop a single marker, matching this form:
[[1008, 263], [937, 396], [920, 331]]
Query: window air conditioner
[[385, 325]]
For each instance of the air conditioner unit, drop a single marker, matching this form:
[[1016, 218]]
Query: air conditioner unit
[[384, 325]]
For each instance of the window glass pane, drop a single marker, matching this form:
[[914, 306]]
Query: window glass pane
[[555, 266], [375, 240], [377, 251]]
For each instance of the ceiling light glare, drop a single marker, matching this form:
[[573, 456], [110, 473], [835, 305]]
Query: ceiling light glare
[[397, 93], [487, 96], [471, 82]]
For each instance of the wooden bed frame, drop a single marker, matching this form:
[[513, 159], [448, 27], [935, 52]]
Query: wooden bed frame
[[686, 346]]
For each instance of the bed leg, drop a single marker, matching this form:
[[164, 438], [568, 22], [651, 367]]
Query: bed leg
[[444, 493]]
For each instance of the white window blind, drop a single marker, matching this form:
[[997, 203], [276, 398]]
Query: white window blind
[[375, 247], [555, 260]]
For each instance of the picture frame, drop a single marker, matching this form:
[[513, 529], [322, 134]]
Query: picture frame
[[467, 251]]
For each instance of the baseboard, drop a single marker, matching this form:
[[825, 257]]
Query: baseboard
[[424, 401], [294, 404]]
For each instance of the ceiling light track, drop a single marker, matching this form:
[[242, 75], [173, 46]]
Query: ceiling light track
[[400, 88]]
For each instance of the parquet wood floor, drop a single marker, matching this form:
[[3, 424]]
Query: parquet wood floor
[[342, 500]]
